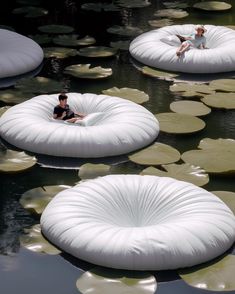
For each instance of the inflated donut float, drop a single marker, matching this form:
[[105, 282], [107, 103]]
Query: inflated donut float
[[139, 223], [19, 54], [112, 126], [157, 48]]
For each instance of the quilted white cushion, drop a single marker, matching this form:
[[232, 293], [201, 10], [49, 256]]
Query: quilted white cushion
[[157, 48], [139, 223], [113, 126]]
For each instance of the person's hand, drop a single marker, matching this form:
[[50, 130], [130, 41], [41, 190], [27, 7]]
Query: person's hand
[[63, 114]]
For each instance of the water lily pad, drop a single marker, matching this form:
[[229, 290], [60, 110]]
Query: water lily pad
[[34, 241], [56, 29], [223, 85], [72, 40], [171, 13], [59, 52], [35, 200], [158, 23], [216, 156], [220, 100], [178, 123], [41, 38], [91, 171], [190, 107], [227, 197], [30, 11], [177, 4], [85, 72], [38, 85], [212, 5], [133, 3], [131, 94], [158, 73], [14, 96], [183, 172], [122, 45], [4, 109], [129, 31], [98, 7], [14, 161], [99, 280], [188, 87], [214, 276], [97, 51], [156, 154]]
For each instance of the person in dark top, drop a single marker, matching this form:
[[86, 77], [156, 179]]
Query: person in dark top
[[63, 112]]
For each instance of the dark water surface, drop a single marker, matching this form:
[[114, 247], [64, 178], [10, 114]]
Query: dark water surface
[[25, 272]]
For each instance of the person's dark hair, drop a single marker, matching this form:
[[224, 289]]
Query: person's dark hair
[[62, 96]]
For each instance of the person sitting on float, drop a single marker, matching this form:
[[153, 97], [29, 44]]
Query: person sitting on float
[[196, 40], [63, 112]]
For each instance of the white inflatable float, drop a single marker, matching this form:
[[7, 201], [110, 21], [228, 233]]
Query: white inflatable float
[[157, 48], [19, 54], [113, 126], [139, 223]]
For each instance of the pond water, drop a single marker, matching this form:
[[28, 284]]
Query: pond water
[[23, 271]]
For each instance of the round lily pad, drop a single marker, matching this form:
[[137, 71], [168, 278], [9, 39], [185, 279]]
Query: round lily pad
[[156, 154], [4, 109], [155, 73], [177, 4], [98, 7], [188, 87], [72, 40], [97, 51], [190, 107], [56, 29], [14, 161], [34, 241], [214, 276], [85, 72], [227, 197], [14, 96], [216, 156], [91, 171], [101, 280], [212, 6], [41, 38], [122, 45], [38, 85], [133, 3], [129, 31], [220, 100], [158, 23], [30, 11], [131, 94], [59, 52], [183, 172], [171, 13], [35, 200], [223, 85], [178, 123]]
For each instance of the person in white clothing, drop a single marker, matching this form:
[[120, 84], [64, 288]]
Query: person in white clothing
[[196, 40]]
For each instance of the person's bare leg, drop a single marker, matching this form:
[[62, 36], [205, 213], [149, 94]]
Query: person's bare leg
[[182, 48]]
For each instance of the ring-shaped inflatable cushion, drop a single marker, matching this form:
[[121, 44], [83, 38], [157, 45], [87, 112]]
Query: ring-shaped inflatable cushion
[[139, 223], [19, 54], [113, 126], [157, 48]]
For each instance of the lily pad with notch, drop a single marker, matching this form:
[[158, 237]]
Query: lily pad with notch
[[84, 71]]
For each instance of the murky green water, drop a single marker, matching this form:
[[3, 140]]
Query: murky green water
[[24, 272]]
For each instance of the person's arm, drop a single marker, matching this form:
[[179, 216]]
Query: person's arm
[[55, 116]]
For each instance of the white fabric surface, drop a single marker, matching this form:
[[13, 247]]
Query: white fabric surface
[[139, 223], [18, 54], [157, 48], [123, 126]]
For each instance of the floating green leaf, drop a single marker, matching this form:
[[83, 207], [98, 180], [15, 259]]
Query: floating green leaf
[[190, 107], [125, 30], [223, 85], [59, 52], [155, 73], [56, 29], [156, 154], [133, 3], [216, 156], [72, 40], [14, 161], [14, 96], [182, 172], [38, 85], [97, 51], [85, 72], [4, 109], [214, 276], [101, 280], [34, 241], [122, 45], [227, 197], [188, 87], [171, 13], [177, 4], [30, 11], [35, 200], [41, 38], [220, 100], [98, 7], [176, 123], [91, 171], [212, 6], [158, 23], [131, 94]]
